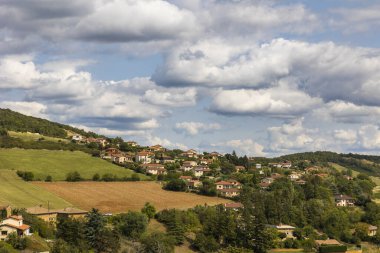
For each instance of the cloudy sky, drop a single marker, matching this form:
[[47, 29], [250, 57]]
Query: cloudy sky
[[262, 77]]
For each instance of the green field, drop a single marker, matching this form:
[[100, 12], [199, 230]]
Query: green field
[[58, 163], [18, 193], [35, 137]]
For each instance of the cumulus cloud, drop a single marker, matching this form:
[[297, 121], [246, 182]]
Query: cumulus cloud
[[153, 140], [319, 69], [293, 136], [369, 137], [136, 21], [347, 112], [354, 20], [276, 102], [28, 108], [194, 128], [346, 136], [171, 97], [243, 147]]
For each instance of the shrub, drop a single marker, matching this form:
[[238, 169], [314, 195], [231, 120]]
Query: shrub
[[96, 177], [73, 177], [48, 178], [25, 175], [176, 185]]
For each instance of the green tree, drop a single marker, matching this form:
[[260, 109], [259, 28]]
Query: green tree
[[95, 225], [96, 177], [157, 242], [149, 210], [73, 177], [131, 224], [16, 241], [48, 178]]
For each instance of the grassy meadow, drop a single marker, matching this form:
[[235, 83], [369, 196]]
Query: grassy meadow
[[18, 193], [58, 163], [26, 136]]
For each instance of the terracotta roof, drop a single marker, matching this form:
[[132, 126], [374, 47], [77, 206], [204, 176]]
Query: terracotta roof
[[38, 210], [231, 182], [230, 190], [22, 227], [16, 217]]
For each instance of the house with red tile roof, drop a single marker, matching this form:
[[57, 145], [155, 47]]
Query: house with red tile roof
[[13, 224]]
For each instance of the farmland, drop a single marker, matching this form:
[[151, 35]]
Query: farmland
[[26, 136], [58, 163], [17, 193], [122, 196]]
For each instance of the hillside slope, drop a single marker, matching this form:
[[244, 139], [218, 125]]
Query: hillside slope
[[14, 121], [17, 193], [58, 163]]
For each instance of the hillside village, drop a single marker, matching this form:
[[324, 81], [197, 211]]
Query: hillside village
[[306, 201]]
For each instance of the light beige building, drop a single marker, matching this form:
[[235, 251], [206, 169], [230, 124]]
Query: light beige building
[[13, 224]]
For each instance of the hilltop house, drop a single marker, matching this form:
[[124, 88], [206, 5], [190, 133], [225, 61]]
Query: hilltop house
[[13, 224], [201, 170], [235, 206], [77, 138], [193, 184], [144, 157], [51, 215], [239, 168], [344, 200], [154, 168], [191, 153], [285, 229], [132, 143], [230, 188], [229, 193], [156, 148], [372, 230]]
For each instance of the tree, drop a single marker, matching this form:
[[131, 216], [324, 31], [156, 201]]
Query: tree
[[205, 243], [94, 228], [73, 177], [96, 177], [48, 178], [176, 185], [131, 224], [72, 231], [149, 210], [157, 242], [60, 246], [16, 241]]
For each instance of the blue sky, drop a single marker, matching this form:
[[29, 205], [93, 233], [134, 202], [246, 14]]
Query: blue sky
[[263, 78]]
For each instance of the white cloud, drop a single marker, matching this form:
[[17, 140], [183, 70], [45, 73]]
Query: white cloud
[[346, 136], [355, 20], [369, 137], [28, 108], [276, 102], [347, 112], [194, 128], [153, 140], [243, 147], [318, 69], [171, 97], [142, 20]]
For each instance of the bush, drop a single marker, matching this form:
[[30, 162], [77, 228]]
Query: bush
[[131, 224], [176, 185], [48, 178], [331, 249], [25, 175], [157, 242], [16, 241], [96, 177], [73, 177]]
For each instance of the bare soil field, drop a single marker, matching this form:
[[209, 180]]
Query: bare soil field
[[118, 197]]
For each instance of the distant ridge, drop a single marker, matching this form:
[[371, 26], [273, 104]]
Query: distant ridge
[[14, 121]]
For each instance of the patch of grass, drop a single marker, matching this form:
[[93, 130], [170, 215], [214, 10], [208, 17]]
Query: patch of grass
[[58, 163], [18, 193], [34, 137], [340, 168]]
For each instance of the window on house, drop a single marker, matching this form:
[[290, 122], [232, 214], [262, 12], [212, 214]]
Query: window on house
[[4, 232]]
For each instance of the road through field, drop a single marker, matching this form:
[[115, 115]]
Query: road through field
[[123, 196]]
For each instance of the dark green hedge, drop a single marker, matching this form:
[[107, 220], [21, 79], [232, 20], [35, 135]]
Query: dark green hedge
[[333, 249]]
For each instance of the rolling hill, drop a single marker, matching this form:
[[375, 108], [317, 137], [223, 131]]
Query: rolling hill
[[58, 163], [18, 193]]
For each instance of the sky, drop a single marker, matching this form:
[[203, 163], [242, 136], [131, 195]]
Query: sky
[[261, 77]]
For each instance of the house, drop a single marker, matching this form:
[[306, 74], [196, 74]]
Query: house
[[258, 166], [214, 155], [156, 148], [300, 182], [194, 184], [294, 176], [230, 184], [5, 211], [275, 165], [186, 178], [191, 153], [276, 176], [285, 229], [13, 224], [239, 168], [229, 193], [154, 168], [286, 164], [189, 163], [348, 177], [166, 159], [101, 141], [132, 143], [235, 206], [52, 215], [204, 161], [77, 137], [201, 170], [186, 168], [344, 200], [120, 158], [328, 242], [144, 157], [372, 230], [45, 214], [112, 151]]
